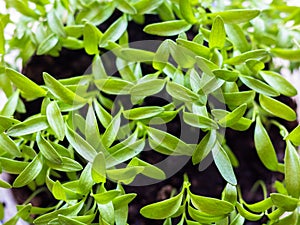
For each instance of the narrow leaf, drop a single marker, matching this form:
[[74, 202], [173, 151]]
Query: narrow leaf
[[48, 44], [264, 146], [237, 15], [187, 11], [168, 28], [277, 108], [55, 120], [292, 168], [217, 36]]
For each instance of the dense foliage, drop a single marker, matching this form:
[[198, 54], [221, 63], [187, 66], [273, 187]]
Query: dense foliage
[[86, 135]]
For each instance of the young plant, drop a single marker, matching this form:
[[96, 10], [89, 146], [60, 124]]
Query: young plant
[[214, 69]]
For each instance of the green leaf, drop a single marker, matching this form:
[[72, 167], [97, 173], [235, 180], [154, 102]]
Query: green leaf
[[187, 11], [168, 28], [9, 146], [123, 200], [80, 145], [204, 147], [260, 206], [86, 181], [181, 93], [170, 142], [29, 89], [136, 55], [144, 6], [217, 36], [91, 39], [289, 54], [199, 121], [223, 164], [111, 131], [254, 54], [161, 56], [237, 37], [146, 88], [259, 86], [66, 165], [226, 75], [92, 133], [29, 126], [47, 150], [58, 191], [55, 120], [211, 206], [284, 201], [125, 153], [104, 117], [264, 147], [163, 209], [64, 220], [4, 184], [106, 197], [124, 174], [236, 15], [114, 86], [125, 7], [12, 166], [206, 65], [182, 56], [278, 82], [30, 172], [6, 122], [277, 108], [72, 43], [292, 168], [115, 31], [142, 112], [23, 8], [149, 169], [202, 218], [55, 24], [11, 105], [248, 215], [294, 136], [61, 92], [234, 116], [47, 44], [235, 99], [198, 49], [99, 168]]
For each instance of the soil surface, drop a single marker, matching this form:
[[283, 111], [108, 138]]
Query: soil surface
[[207, 182]]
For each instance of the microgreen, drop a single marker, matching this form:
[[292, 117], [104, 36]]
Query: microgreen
[[213, 69]]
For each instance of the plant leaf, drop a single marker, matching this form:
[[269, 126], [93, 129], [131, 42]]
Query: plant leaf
[[283, 201], [80, 145], [99, 168], [239, 59], [55, 24], [91, 39], [163, 209], [236, 15], [294, 136], [278, 82], [29, 126], [111, 131], [168, 28], [211, 206], [181, 93], [234, 116], [223, 164], [187, 11], [237, 37], [292, 168], [277, 108], [30, 172], [259, 86], [125, 7], [47, 150], [61, 92], [217, 36], [114, 32], [289, 54], [144, 7], [114, 86], [142, 112], [55, 120], [198, 49], [199, 121], [48, 44], [29, 89], [9, 146], [264, 147]]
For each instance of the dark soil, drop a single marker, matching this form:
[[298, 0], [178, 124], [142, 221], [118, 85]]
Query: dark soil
[[207, 182]]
